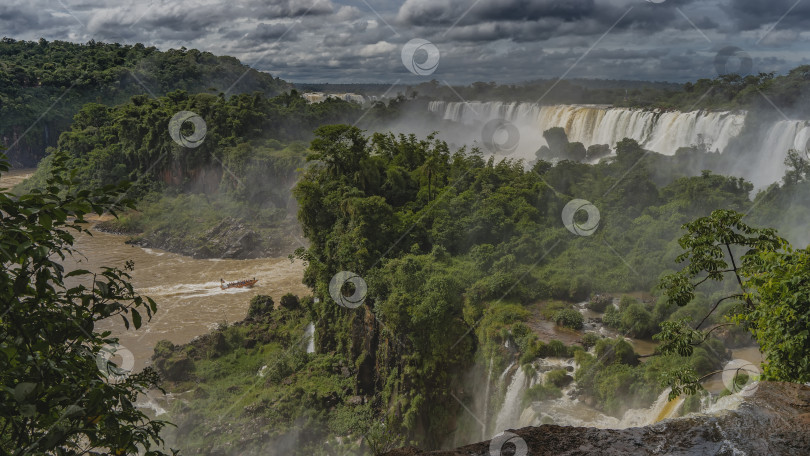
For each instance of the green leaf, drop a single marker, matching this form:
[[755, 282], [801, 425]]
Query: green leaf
[[77, 272], [73, 410], [28, 410], [136, 318], [46, 221], [23, 390]]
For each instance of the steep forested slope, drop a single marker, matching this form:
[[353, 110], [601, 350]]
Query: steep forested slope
[[43, 84]]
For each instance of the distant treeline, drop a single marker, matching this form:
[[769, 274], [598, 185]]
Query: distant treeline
[[765, 92], [55, 79]]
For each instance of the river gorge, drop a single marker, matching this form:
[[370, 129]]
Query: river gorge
[[191, 303]]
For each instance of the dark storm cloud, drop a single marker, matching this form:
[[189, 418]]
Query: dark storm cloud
[[502, 40], [751, 14], [21, 17], [642, 15]]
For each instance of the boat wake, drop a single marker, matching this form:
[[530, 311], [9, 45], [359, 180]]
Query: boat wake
[[189, 290]]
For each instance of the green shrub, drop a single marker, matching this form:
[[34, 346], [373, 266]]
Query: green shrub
[[533, 350], [558, 378], [163, 349], [290, 301], [626, 301], [555, 349], [638, 321], [590, 339], [612, 318], [569, 318], [541, 392], [598, 303], [551, 308], [616, 351], [260, 305]]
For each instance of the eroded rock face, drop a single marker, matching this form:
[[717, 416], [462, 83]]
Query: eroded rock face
[[775, 420], [230, 239]]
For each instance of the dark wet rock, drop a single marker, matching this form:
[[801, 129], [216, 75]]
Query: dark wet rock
[[775, 420], [230, 238], [175, 368]]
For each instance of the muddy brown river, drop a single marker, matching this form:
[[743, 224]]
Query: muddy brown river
[[186, 290]]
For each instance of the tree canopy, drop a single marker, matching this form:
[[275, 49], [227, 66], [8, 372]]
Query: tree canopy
[[60, 393]]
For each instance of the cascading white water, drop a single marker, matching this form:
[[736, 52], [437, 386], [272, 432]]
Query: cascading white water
[[780, 137], [310, 334], [511, 408], [568, 411], [662, 131], [486, 400]]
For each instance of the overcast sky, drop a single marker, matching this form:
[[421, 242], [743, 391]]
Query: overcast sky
[[484, 40]]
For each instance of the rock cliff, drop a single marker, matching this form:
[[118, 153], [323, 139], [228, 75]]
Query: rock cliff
[[774, 420]]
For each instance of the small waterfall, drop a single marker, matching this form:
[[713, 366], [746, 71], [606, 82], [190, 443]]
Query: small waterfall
[[511, 409], [780, 137], [505, 373], [486, 401], [310, 334], [568, 410], [670, 409], [661, 409], [146, 401]]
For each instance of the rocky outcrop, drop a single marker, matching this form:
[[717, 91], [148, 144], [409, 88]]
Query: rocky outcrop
[[230, 238], [775, 420]]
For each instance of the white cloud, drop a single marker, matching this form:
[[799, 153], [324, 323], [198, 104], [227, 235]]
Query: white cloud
[[383, 47]]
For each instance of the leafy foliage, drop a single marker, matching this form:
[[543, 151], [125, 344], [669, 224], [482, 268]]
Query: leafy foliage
[[452, 256], [569, 318], [56, 79], [55, 399], [771, 299]]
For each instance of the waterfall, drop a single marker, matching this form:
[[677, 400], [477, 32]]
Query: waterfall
[[568, 410], [662, 131], [781, 137], [670, 408], [660, 410], [511, 408], [486, 401], [309, 333]]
